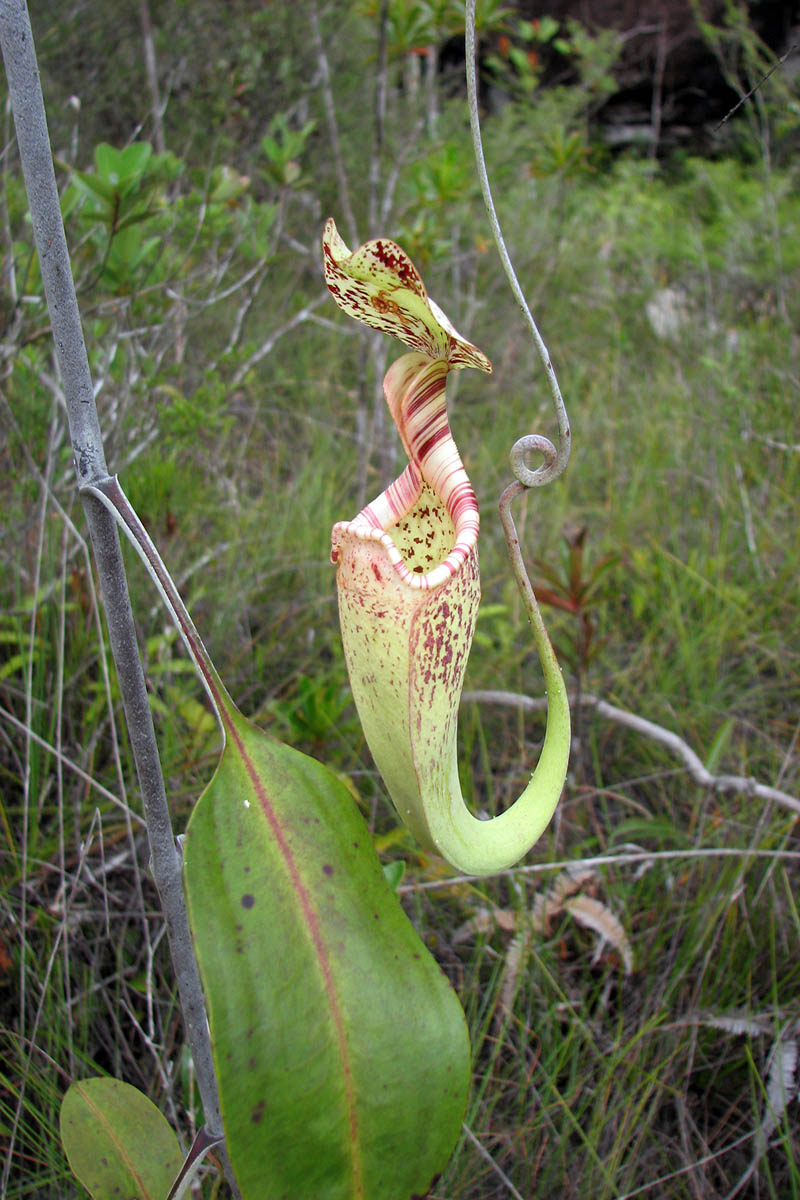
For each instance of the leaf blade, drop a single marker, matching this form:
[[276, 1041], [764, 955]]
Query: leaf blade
[[302, 943], [116, 1140]]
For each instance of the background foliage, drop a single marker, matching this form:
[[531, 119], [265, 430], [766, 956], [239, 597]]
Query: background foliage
[[244, 416]]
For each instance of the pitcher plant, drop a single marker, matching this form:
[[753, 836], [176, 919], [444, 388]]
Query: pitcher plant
[[409, 586]]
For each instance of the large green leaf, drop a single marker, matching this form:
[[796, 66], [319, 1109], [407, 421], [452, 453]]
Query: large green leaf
[[117, 1142], [341, 1051]]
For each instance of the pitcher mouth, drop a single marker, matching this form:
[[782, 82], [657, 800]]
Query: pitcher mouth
[[408, 543]]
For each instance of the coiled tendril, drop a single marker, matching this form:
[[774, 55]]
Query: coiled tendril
[[547, 471]]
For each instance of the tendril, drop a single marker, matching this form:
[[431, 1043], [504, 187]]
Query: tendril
[[544, 648], [547, 471], [555, 460]]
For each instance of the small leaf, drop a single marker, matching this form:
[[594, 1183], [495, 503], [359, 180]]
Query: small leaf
[[736, 1023], [719, 745], [136, 218], [101, 187], [394, 872], [547, 29], [107, 162], [560, 897], [117, 1142], [122, 169], [781, 1082], [486, 921], [134, 159], [227, 185]]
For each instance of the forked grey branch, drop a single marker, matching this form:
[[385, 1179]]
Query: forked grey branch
[[25, 91]]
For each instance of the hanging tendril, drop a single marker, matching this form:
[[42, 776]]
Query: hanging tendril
[[555, 460]]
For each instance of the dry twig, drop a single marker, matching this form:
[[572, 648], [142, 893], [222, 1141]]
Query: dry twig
[[656, 733]]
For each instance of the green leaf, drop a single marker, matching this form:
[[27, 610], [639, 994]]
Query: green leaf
[[136, 218], [134, 159], [547, 29], [394, 872], [117, 1142], [101, 187], [271, 148], [341, 1051], [107, 161], [227, 185], [122, 168], [720, 745]]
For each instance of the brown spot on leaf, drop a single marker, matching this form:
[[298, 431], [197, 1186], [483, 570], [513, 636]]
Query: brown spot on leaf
[[248, 900]]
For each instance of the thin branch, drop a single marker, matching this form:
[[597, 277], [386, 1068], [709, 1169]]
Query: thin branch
[[656, 733], [484, 1153], [627, 859], [333, 125], [543, 646], [658, 1183], [9, 268], [89, 460], [111, 495], [243, 310], [151, 70], [65, 761], [380, 119], [399, 161], [265, 348], [26, 806], [756, 86], [790, 447]]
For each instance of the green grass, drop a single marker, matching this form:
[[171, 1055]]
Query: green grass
[[685, 468]]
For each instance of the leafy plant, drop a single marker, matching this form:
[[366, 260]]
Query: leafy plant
[[576, 591], [283, 147], [123, 192]]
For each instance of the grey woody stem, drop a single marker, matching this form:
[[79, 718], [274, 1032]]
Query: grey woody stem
[[35, 153]]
